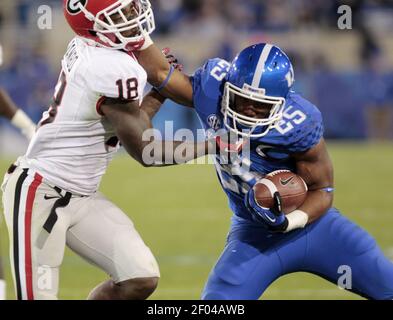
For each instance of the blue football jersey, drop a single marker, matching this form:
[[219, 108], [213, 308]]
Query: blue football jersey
[[300, 129]]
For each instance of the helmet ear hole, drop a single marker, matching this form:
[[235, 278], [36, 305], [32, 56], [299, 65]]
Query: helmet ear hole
[[93, 33]]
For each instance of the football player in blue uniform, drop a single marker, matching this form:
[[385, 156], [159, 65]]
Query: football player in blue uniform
[[252, 97]]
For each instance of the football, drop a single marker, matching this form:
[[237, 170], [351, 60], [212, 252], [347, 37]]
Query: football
[[292, 188]]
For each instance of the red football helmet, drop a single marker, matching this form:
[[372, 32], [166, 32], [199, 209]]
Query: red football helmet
[[116, 24]]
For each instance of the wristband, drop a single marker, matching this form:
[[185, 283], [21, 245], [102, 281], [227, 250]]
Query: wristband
[[24, 123], [296, 219], [168, 77]]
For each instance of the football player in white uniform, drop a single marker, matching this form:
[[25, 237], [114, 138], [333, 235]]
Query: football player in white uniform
[[51, 198]]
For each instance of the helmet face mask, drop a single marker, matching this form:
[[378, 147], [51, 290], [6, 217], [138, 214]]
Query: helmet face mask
[[246, 126], [122, 25]]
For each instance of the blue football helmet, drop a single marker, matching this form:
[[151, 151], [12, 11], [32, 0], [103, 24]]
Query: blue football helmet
[[262, 73]]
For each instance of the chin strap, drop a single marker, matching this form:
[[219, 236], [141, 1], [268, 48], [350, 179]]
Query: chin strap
[[148, 41]]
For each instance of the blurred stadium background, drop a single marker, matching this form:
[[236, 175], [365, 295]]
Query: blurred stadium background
[[181, 212]]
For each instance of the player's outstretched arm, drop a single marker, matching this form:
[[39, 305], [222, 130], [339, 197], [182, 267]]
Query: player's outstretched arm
[[316, 168], [178, 88], [132, 124], [7, 106], [18, 118], [152, 103]]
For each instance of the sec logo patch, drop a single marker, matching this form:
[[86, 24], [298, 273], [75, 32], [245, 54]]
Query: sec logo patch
[[214, 122]]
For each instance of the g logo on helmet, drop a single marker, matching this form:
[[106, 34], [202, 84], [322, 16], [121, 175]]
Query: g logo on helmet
[[74, 6]]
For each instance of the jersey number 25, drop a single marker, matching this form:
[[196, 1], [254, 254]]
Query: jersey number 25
[[220, 70], [290, 120]]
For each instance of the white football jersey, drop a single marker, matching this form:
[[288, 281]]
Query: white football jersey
[[74, 142]]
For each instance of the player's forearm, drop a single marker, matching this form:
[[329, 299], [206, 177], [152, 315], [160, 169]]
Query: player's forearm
[[316, 168], [316, 204], [179, 89], [7, 106], [155, 65], [152, 103], [176, 87], [166, 153], [157, 153], [133, 127]]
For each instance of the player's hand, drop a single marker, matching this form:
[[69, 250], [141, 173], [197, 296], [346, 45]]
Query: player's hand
[[274, 219], [172, 59]]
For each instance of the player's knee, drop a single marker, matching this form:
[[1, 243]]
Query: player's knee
[[139, 288]]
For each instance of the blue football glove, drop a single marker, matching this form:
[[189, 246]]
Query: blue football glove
[[274, 219]]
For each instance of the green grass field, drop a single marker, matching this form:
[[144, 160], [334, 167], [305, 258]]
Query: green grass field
[[182, 215]]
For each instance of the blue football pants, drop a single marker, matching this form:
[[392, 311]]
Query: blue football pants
[[254, 258]]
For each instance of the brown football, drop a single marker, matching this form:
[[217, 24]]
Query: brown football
[[292, 188]]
